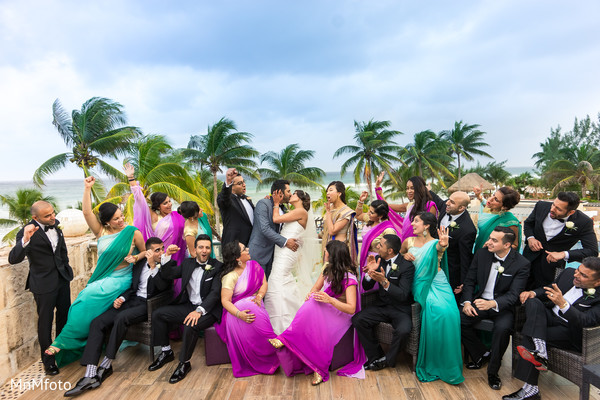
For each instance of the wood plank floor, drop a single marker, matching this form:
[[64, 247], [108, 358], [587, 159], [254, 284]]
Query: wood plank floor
[[132, 380]]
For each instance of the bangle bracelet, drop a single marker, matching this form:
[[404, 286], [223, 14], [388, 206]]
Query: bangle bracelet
[[131, 180], [237, 314], [360, 202]]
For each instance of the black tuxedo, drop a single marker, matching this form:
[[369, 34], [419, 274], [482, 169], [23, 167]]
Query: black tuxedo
[[543, 324], [236, 222], [509, 284], [542, 272], [460, 244], [392, 305], [48, 279], [115, 321], [174, 314]]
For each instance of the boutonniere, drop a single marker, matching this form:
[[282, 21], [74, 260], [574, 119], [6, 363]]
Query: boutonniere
[[453, 225], [208, 267], [157, 265], [570, 225], [589, 293], [500, 269], [394, 267], [60, 226]]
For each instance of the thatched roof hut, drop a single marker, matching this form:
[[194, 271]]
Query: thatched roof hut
[[468, 182]]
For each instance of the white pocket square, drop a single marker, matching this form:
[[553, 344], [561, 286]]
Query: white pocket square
[[584, 305], [507, 274], [209, 279]]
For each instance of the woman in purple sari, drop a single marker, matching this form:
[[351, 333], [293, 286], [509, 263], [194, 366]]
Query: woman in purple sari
[[306, 346], [377, 225], [245, 326]]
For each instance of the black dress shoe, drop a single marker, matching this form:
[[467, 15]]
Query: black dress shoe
[[479, 363], [104, 373], [520, 395], [378, 365], [533, 356], [494, 381], [180, 372], [51, 369], [82, 385], [163, 358]]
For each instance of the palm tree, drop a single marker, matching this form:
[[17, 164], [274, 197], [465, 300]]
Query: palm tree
[[580, 166], [465, 141], [496, 173], [158, 169], [289, 165], [373, 152], [551, 151], [223, 145], [428, 153], [19, 210], [94, 131]]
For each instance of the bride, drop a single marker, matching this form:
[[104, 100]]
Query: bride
[[291, 275]]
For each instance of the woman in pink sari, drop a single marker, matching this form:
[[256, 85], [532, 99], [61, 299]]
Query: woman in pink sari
[[306, 346], [245, 326], [377, 225]]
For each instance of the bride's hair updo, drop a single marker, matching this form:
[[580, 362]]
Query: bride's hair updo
[[305, 198]]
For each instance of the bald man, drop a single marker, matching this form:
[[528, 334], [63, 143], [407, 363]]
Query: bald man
[[49, 273], [454, 216]]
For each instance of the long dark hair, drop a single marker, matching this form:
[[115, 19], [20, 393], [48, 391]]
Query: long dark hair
[[157, 198], [381, 208], [231, 252], [341, 188], [422, 196], [429, 219], [339, 264]]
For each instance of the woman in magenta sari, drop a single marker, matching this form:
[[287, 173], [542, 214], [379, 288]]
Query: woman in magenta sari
[[245, 326], [157, 220], [377, 225], [419, 200], [306, 346]]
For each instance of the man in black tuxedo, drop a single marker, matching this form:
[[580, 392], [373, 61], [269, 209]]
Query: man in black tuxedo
[[551, 230], [128, 309], [237, 210], [395, 276], [496, 278], [462, 232], [556, 315], [198, 307], [42, 241]]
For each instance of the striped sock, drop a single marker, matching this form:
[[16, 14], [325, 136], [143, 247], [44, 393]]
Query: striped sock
[[530, 390], [106, 363], [540, 346], [90, 371], [166, 348]]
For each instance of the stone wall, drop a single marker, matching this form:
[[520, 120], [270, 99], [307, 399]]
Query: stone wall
[[19, 347]]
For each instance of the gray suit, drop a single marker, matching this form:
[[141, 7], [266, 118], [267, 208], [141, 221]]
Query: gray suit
[[265, 235]]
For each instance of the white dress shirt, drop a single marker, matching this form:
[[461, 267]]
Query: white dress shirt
[[144, 276], [445, 222], [570, 297]]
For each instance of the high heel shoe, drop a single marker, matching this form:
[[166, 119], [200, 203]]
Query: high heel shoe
[[318, 379], [51, 351], [276, 343]]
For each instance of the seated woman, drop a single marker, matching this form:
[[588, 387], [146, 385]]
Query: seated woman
[[306, 346], [245, 327], [495, 212], [112, 276], [196, 223]]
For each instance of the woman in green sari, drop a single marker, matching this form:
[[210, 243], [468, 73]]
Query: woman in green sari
[[439, 344], [112, 276], [494, 212]]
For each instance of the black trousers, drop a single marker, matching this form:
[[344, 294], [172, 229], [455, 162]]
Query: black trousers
[[542, 323], [113, 323], [59, 300], [365, 322], [168, 317], [503, 324]]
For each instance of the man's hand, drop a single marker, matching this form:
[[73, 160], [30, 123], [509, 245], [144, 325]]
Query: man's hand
[[172, 249], [483, 305], [371, 265], [534, 244], [458, 289], [192, 318], [469, 310], [377, 276], [28, 231], [291, 244], [555, 295], [554, 256], [229, 175], [118, 302], [524, 296]]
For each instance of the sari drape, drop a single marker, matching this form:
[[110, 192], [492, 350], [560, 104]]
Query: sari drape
[[367, 240], [486, 223], [343, 212]]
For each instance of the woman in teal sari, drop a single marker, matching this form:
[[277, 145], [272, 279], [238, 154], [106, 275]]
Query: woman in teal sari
[[439, 345], [112, 276], [496, 214]]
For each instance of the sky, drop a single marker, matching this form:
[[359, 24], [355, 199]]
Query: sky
[[298, 72]]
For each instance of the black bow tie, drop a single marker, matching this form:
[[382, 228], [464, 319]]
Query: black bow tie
[[48, 227], [200, 265], [449, 217], [242, 196], [386, 263], [563, 220], [496, 259]]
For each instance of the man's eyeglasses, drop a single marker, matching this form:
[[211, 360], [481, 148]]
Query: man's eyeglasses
[[240, 183]]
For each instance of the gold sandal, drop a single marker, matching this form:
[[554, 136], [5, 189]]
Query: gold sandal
[[51, 351], [276, 343], [318, 379]]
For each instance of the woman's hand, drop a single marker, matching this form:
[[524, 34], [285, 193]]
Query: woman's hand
[[246, 316], [200, 213], [309, 295], [129, 170], [408, 256], [363, 196], [327, 207], [322, 297], [277, 198], [379, 180], [443, 235], [89, 182], [477, 190], [131, 259], [257, 299]]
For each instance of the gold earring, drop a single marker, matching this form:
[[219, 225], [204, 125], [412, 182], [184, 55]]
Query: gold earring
[[424, 233]]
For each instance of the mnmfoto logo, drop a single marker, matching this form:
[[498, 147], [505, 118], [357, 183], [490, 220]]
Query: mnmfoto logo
[[44, 384]]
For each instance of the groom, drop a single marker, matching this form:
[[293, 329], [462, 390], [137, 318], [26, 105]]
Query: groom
[[265, 233]]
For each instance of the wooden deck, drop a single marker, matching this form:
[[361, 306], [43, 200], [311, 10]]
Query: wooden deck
[[132, 380]]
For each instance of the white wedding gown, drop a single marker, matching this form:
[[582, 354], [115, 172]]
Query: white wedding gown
[[290, 278]]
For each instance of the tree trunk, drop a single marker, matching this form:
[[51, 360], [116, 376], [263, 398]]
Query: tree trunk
[[458, 162], [215, 207], [370, 186]]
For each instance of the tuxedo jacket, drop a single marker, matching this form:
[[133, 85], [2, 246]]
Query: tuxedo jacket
[[265, 233], [210, 285], [45, 265], [399, 293], [156, 283], [563, 241], [236, 222], [509, 284], [460, 243]]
